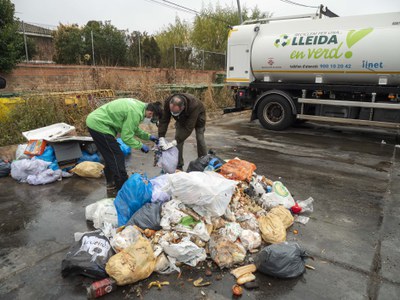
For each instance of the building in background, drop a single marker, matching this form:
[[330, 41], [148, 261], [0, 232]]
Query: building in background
[[41, 39]]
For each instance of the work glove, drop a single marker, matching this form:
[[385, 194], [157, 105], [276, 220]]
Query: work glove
[[154, 139], [166, 146], [145, 148]]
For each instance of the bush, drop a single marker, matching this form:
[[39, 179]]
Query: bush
[[43, 110]]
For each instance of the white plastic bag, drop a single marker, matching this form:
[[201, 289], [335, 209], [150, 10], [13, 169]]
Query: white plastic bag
[[231, 231], [306, 205], [186, 252], [169, 160], [160, 186], [199, 230], [19, 154], [102, 212], [170, 214], [47, 176], [250, 239], [280, 195], [125, 238], [166, 265], [208, 193], [21, 169]]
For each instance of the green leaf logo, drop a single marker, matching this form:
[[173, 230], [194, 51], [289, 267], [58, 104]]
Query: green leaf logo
[[353, 37]]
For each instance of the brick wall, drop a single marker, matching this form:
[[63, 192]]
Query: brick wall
[[43, 77]]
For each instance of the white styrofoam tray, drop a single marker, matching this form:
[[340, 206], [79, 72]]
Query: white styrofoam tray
[[48, 133]]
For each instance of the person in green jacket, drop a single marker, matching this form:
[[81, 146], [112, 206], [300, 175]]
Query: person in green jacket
[[121, 116]]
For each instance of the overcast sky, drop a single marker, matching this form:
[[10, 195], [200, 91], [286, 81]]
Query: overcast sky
[[147, 15]]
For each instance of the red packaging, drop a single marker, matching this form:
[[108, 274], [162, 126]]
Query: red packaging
[[35, 147], [296, 209], [101, 287], [237, 169]]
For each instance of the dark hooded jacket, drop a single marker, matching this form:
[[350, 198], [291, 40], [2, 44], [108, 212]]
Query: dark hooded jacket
[[193, 116]]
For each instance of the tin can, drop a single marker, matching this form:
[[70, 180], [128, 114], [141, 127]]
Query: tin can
[[101, 287]]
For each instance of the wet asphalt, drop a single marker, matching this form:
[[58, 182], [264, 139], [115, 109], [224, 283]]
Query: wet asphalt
[[354, 233]]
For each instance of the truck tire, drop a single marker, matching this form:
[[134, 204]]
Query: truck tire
[[275, 113]]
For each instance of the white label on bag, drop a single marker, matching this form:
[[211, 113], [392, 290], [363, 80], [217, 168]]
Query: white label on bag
[[94, 246]]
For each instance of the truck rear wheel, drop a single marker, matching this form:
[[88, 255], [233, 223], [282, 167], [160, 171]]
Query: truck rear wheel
[[275, 113]]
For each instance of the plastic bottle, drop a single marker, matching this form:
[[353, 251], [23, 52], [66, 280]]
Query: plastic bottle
[[101, 287]]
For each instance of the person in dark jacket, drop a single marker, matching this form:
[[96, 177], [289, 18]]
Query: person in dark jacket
[[189, 114]]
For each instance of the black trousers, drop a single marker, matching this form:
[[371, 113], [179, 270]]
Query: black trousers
[[114, 158]]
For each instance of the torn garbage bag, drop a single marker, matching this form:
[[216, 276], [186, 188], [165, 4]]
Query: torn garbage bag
[[185, 251], [135, 192], [148, 216], [88, 257], [284, 260], [132, 264]]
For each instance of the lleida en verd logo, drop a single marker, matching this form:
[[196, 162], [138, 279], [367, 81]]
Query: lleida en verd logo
[[329, 46]]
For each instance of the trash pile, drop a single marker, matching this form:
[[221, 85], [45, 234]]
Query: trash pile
[[55, 152], [219, 211]]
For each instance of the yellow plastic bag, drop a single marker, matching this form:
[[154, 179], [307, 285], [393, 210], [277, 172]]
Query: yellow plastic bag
[[284, 214], [88, 169], [272, 228], [132, 264]]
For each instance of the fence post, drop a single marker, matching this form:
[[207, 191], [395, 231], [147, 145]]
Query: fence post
[[174, 58], [26, 45], [93, 62], [203, 60]]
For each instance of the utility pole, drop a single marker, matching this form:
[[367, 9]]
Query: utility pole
[[91, 34], [240, 12]]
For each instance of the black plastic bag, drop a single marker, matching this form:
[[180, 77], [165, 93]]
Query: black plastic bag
[[148, 216], [284, 260], [201, 163], [5, 168], [88, 257]]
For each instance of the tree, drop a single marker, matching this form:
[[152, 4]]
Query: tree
[[110, 44], [211, 27], [68, 43], [11, 42], [177, 34], [151, 52], [134, 46]]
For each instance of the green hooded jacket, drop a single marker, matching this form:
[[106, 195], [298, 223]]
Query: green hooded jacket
[[120, 116]]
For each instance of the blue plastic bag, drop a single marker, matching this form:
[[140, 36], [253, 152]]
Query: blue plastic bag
[[89, 157], [135, 192], [124, 147], [50, 156]]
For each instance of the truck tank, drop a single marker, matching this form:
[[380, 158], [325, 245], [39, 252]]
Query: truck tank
[[358, 49]]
